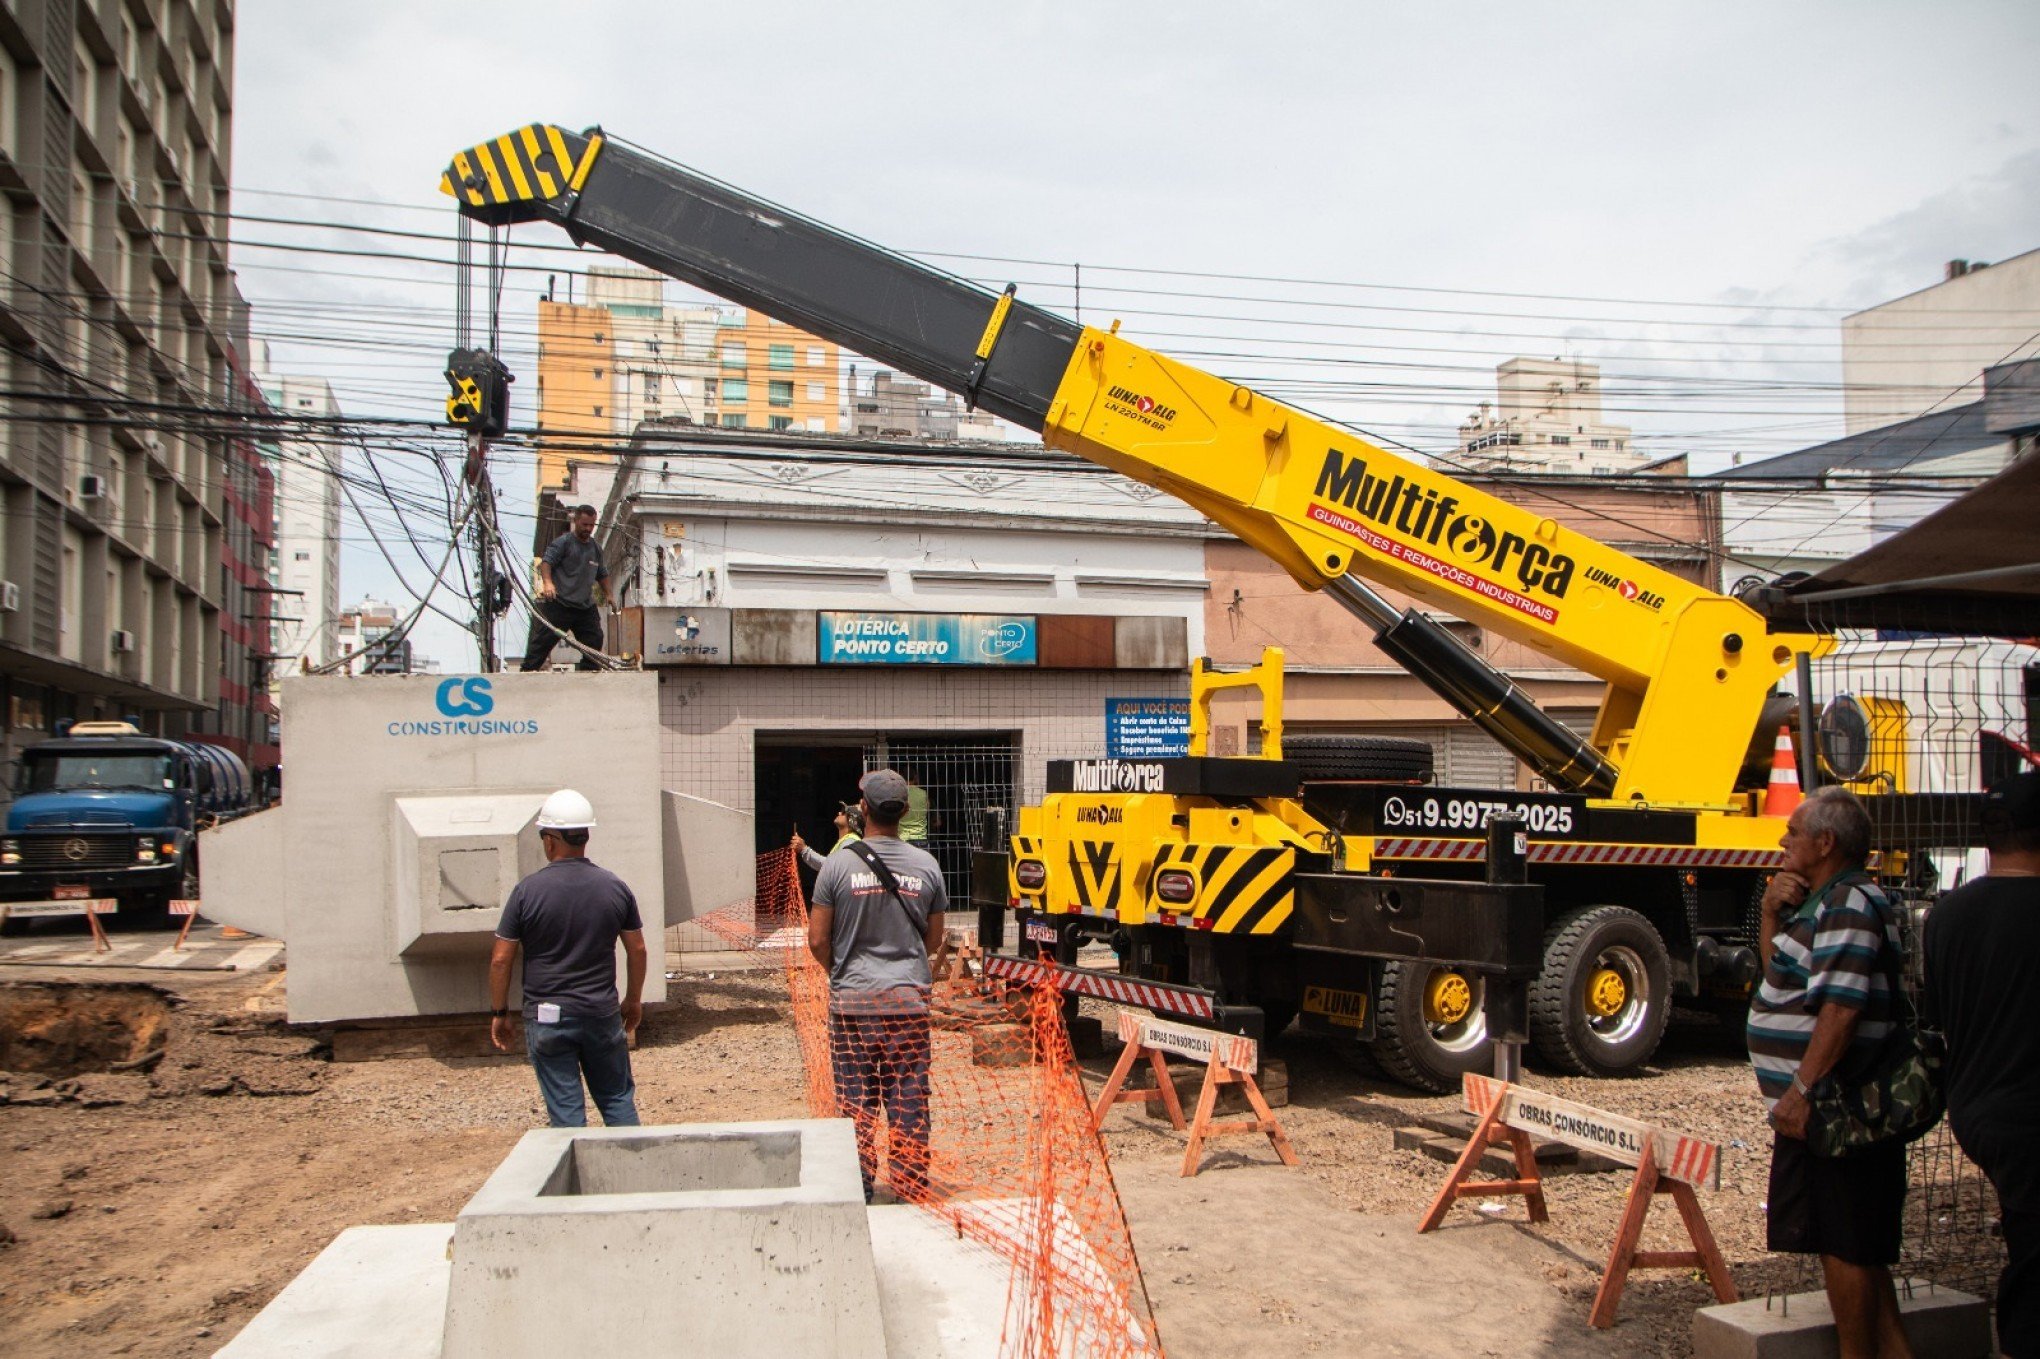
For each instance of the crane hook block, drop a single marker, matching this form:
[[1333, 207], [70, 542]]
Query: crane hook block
[[480, 402]]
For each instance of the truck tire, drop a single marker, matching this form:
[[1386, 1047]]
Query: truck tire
[[1338, 759], [1601, 1002], [1428, 1025]]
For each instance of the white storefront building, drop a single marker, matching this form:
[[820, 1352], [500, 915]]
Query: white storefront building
[[966, 613]]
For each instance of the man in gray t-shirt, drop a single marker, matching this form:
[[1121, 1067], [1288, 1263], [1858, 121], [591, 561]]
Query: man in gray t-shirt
[[872, 927], [570, 572]]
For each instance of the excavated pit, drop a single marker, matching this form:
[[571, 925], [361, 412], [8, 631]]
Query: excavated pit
[[56, 1030]]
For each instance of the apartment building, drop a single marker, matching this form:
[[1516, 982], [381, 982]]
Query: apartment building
[[134, 538], [1547, 419], [307, 525], [621, 355]]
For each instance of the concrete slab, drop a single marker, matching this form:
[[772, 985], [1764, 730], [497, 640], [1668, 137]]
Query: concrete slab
[[1941, 1323], [588, 1240], [374, 1293], [942, 1294]]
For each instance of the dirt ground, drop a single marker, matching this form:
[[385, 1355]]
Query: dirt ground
[[154, 1210]]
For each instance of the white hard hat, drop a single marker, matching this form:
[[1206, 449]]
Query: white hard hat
[[566, 810]]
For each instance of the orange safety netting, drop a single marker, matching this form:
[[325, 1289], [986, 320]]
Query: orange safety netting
[[975, 1111]]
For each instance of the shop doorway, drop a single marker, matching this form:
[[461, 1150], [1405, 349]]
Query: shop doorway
[[970, 778]]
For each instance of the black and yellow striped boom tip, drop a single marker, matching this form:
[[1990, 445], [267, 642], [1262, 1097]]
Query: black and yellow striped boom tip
[[514, 177]]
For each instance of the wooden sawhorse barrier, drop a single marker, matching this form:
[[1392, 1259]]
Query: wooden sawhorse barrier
[[188, 908], [1228, 1060], [90, 907], [1666, 1163]]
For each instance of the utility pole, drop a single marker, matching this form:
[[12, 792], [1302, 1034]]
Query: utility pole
[[485, 553]]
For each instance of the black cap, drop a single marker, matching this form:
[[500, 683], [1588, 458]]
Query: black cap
[[886, 791], [2013, 805]]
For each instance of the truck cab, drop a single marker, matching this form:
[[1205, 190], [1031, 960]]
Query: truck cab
[[105, 811]]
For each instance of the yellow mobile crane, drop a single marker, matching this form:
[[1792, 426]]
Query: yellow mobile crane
[[1240, 890]]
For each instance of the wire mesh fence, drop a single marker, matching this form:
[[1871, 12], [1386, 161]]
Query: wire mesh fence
[[1920, 726], [971, 1109]]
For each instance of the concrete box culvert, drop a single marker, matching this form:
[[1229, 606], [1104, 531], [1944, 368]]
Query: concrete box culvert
[[658, 1164], [58, 1030], [746, 1241]]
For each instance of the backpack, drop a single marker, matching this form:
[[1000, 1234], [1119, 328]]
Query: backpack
[[1899, 1099]]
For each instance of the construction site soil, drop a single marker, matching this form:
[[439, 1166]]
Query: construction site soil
[[154, 1204]]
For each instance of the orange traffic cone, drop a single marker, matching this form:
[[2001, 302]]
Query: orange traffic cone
[[1782, 796]]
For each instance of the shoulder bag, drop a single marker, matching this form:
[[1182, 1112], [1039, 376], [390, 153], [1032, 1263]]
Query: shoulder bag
[[1900, 1099]]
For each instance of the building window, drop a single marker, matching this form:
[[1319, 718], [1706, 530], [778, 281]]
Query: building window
[[1598, 443], [736, 391], [779, 358], [781, 421], [779, 393], [738, 421], [1618, 445], [817, 391], [708, 390], [301, 556], [817, 356], [1561, 440], [735, 356], [651, 385]]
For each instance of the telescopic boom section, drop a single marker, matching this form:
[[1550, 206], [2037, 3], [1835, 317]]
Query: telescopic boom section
[[1687, 669], [867, 299]]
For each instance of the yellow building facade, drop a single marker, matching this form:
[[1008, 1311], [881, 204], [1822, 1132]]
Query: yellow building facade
[[576, 359]]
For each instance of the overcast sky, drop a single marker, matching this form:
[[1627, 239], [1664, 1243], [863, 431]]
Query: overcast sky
[[1441, 156]]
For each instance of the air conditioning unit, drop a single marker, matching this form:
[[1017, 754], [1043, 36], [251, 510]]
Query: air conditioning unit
[[94, 487], [123, 640], [10, 596]]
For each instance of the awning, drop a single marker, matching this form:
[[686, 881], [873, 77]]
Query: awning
[[1972, 567]]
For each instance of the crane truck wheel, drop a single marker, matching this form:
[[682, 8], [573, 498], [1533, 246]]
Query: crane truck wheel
[[1428, 1025], [1339, 759], [1601, 1003]]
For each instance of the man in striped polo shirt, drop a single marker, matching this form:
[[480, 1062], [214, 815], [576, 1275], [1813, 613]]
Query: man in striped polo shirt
[[1829, 945]]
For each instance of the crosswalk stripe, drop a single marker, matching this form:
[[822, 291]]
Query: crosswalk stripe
[[252, 956]]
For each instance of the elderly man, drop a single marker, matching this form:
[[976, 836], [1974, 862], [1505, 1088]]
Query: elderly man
[[570, 578], [1982, 950], [1830, 948]]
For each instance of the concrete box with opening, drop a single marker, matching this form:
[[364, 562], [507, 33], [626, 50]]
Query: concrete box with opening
[[737, 1240], [408, 817]]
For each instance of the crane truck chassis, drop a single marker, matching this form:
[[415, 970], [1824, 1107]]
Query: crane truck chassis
[[1322, 878]]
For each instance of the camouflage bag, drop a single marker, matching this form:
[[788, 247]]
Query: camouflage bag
[[1900, 1099]]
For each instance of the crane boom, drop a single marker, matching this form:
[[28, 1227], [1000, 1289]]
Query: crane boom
[[1687, 669]]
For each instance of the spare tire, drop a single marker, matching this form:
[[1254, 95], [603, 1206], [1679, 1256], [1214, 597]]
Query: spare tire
[[1382, 759]]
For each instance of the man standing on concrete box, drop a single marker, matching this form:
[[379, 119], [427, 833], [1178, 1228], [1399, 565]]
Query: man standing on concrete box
[[1982, 950], [568, 917], [569, 574], [875, 920]]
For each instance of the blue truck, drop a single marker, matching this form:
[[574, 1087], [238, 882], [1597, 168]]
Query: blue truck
[[104, 810]]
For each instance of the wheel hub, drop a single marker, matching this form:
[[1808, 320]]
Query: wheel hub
[[1447, 998], [1607, 993]]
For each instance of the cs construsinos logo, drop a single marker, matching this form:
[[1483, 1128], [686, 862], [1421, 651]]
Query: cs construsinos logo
[[469, 697], [465, 702]]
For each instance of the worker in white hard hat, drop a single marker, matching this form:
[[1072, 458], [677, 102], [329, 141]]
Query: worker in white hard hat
[[567, 918]]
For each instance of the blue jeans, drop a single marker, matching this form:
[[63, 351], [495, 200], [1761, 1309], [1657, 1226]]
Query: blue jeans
[[583, 1045], [881, 1063]]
